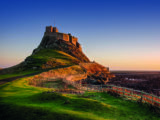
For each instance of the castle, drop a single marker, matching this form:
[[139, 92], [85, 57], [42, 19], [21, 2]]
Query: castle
[[53, 32]]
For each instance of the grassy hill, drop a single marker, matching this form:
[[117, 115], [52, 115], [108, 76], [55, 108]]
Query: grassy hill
[[19, 100], [48, 58], [43, 60]]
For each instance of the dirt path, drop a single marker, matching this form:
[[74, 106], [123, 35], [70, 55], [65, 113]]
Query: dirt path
[[2, 81]]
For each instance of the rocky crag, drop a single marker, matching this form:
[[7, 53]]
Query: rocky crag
[[55, 50], [49, 42], [61, 50], [54, 40]]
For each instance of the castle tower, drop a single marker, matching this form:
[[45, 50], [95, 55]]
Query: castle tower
[[55, 29], [53, 32], [49, 29]]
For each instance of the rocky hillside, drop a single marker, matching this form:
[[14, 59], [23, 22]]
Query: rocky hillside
[[49, 42], [51, 53], [96, 73], [91, 73], [55, 52]]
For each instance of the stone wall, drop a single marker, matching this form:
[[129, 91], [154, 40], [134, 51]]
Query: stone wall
[[79, 46], [53, 31], [51, 34], [49, 29], [74, 40], [66, 37]]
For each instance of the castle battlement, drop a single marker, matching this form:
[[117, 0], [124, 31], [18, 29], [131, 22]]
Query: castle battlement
[[53, 31]]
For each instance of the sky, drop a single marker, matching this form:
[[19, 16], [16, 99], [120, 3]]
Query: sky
[[119, 34]]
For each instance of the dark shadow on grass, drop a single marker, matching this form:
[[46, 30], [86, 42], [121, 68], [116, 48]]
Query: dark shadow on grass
[[77, 104], [16, 112]]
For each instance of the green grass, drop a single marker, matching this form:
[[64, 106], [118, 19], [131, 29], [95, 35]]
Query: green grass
[[20, 101], [4, 76], [41, 57], [45, 55]]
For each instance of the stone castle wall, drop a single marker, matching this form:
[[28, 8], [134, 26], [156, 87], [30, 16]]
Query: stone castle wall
[[64, 36], [79, 46], [53, 31], [74, 40]]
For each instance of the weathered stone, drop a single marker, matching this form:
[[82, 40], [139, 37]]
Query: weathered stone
[[52, 40]]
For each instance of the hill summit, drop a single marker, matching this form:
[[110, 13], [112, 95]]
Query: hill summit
[[55, 50], [60, 50], [67, 43]]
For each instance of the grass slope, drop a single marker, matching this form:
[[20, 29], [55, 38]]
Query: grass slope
[[53, 58], [20, 101], [4, 76], [45, 55]]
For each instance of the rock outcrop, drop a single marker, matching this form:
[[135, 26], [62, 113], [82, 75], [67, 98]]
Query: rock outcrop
[[59, 51], [50, 42], [67, 43], [55, 50], [96, 73]]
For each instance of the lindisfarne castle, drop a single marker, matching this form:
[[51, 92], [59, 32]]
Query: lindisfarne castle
[[55, 40], [53, 32]]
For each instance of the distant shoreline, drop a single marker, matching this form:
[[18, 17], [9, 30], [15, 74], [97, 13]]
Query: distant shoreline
[[137, 71]]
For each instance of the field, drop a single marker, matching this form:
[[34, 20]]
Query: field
[[18, 101], [25, 99]]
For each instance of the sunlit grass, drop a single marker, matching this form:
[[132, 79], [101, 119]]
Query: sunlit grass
[[42, 56], [16, 74], [21, 97], [40, 59]]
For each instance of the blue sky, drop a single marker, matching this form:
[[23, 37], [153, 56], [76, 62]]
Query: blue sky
[[121, 34]]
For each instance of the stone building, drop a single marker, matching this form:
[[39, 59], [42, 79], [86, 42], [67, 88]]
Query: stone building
[[53, 31]]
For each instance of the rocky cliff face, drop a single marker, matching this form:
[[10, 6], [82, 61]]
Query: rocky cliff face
[[50, 42], [96, 73]]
